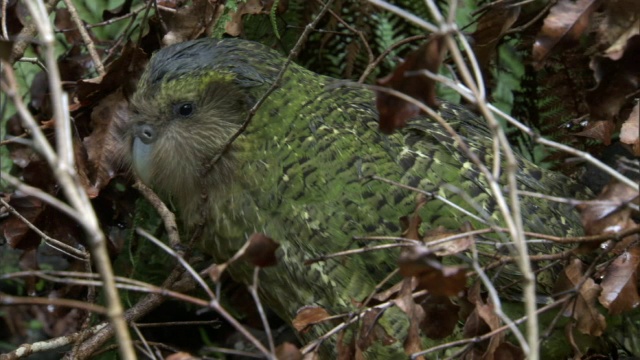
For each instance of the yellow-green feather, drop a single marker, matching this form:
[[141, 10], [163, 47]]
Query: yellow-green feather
[[300, 174]]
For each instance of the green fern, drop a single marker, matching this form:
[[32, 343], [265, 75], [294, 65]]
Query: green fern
[[387, 34]]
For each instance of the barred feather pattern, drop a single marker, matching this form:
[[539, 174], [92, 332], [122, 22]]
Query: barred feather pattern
[[300, 174]]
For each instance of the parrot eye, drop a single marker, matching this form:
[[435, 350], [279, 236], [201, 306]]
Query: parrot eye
[[184, 109]]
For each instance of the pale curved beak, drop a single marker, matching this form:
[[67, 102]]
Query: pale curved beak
[[145, 136]]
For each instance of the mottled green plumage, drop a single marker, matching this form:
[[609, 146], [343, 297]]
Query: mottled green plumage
[[300, 172]]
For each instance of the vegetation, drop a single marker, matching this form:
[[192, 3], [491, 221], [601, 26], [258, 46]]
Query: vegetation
[[557, 82]]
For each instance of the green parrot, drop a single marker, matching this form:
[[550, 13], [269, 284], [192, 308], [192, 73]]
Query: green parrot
[[301, 172]]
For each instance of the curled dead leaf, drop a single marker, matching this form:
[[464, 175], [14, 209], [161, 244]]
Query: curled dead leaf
[[438, 279], [307, 316], [616, 80], [440, 317], [394, 112], [583, 307], [482, 320], [105, 146], [250, 7], [620, 283], [371, 332], [288, 351], [261, 251], [181, 356], [16, 231], [611, 215], [621, 22], [492, 25], [215, 271], [447, 248], [599, 130], [630, 132], [415, 313], [565, 23]]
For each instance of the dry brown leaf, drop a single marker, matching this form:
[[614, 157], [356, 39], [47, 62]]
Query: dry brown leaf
[[172, 4], [583, 307], [599, 130], [482, 320], [288, 351], [394, 112], [215, 271], [565, 23], [371, 332], [190, 21], [441, 317], [492, 25], [411, 226], [630, 132], [450, 247], [251, 7], [122, 73], [307, 316], [181, 356], [487, 313], [616, 80], [63, 21], [620, 283], [609, 216], [105, 146], [415, 313], [347, 349], [621, 22], [14, 230], [508, 351], [431, 274], [261, 251]]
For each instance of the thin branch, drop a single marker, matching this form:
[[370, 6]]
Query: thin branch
[[25, 350], [8, 300], [488, 335], [27, 35], [38, 193], [55, 244], [63, 167], [85, 37], [168, 217], [276, 83], [373, 64], [253, 290], [180, 259]]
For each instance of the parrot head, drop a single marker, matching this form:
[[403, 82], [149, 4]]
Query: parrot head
[[185, 110]]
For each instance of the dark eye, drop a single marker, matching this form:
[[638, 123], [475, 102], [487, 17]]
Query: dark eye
[[184, 109]]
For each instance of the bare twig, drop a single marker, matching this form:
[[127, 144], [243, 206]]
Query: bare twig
[[58, 245], [85, 37], [3, 24], [168, 217], [373, 64], [8, 300], [213, 300], [253, 290], [27, 35], [180, 259], [510, 210], [35, 192], [51, 344], [467, 95], [63, 168], [276, 83], [488, 335]]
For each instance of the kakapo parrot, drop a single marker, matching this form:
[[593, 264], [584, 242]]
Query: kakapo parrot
[[301, 172]]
